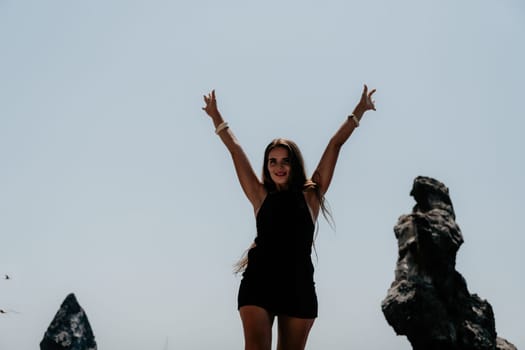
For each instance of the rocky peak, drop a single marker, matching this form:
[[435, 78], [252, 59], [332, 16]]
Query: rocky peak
[[70, 329], [429, 301]]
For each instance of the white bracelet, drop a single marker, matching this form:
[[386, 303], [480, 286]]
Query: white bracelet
[[354, 118], [221, 127]]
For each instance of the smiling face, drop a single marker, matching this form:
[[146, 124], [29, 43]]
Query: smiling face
[[279, 167]]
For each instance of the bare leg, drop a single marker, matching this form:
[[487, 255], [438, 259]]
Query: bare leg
[[257, 324], [293, 332]]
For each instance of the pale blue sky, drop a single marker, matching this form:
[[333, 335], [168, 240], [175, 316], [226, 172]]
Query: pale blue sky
[[113, 185]]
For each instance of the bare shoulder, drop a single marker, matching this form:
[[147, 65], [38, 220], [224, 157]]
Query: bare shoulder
[[258, 198], [312, 200]]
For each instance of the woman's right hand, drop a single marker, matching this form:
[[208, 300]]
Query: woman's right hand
[[211, 105]]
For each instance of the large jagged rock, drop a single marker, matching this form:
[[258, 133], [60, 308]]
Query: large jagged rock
[[429, 301], [70, 329]]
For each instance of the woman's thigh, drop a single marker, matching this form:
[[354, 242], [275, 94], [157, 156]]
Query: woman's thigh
[[293, 332], [257, 325]]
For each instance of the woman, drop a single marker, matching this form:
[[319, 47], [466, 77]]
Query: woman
[[278, 279]]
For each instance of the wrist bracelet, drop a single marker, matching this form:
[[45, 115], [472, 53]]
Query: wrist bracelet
[[221, 127], [354, 119]]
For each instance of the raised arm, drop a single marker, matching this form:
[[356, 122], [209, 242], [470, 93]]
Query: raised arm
[[252, 187], [325, 170]]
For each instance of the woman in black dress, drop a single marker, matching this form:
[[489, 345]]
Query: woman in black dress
[[278, 276]]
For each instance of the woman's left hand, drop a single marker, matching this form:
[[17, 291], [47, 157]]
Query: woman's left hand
[[366, 103]]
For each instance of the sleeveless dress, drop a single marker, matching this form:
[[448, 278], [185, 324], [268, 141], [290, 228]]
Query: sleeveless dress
[[279, 274]]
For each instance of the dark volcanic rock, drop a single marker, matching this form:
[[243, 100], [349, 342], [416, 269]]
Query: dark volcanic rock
[[429, 301], [70, 329]]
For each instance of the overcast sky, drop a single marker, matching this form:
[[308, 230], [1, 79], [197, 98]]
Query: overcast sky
[[114, 186]]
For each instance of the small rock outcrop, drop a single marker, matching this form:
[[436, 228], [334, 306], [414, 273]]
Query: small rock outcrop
[[70, 329], [429, 301]]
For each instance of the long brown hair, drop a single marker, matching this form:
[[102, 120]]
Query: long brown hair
[[296, 182]]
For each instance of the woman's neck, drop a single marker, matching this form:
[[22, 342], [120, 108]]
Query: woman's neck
[[280, 188]]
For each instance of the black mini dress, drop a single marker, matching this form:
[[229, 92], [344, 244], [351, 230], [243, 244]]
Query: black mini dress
[[279, 274]]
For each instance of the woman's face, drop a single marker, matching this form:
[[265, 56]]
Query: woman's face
[[279, 167]]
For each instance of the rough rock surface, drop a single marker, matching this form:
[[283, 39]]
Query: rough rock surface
[[429, 301], [70, 329]]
